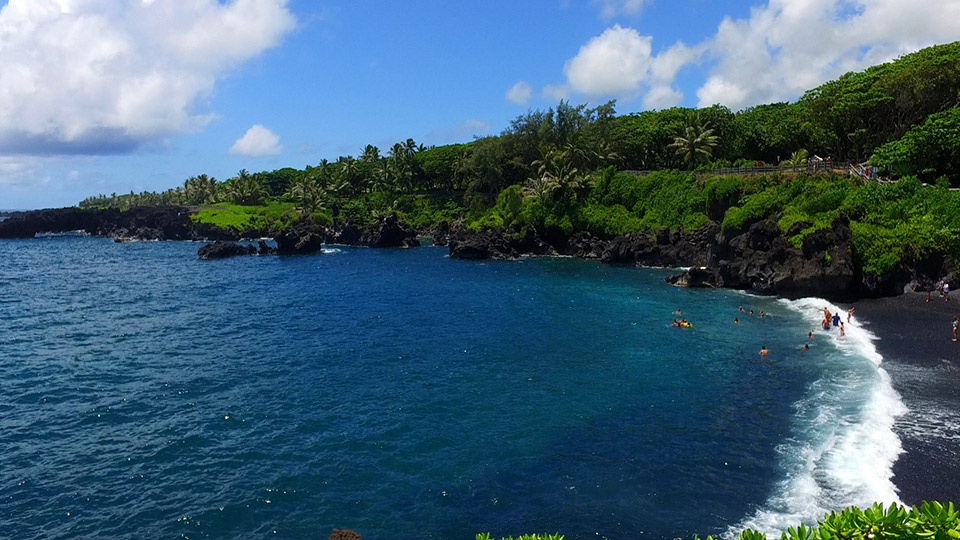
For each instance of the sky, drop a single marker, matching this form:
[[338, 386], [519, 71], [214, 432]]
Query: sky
[[113, 96]]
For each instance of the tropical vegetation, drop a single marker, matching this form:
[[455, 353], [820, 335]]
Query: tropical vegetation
[[931, 520], [880, 147]]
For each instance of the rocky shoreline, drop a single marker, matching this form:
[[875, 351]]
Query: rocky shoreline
[[760, 259]]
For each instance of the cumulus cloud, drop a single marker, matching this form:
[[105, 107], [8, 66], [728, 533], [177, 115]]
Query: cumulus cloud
[[556, 92], [789, 46], [780, 50], [520, 93], [612, 8], [258, 141], [620, 63], [613, 63], [106, 76]]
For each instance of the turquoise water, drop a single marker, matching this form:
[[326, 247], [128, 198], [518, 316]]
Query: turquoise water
[[402, 394]]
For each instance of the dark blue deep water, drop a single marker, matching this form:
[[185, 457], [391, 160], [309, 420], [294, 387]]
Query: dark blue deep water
[[145, 393]]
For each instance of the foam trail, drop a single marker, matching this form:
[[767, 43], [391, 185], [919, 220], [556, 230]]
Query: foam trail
[[842, 448]]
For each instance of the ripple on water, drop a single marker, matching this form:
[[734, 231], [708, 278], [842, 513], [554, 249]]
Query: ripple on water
[[149, 394]]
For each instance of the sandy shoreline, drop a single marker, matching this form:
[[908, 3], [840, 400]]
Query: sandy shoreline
[[924, 366]]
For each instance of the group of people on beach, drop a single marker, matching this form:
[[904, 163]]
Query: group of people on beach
[[833, 319]]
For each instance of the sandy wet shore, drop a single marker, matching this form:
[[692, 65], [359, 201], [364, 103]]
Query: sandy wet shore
[[915, 340]]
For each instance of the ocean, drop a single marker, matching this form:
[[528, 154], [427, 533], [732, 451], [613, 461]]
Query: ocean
[[404, 394]]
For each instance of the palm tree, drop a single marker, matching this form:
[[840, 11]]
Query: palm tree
[[798, 158], [370, 154], [349, 177], [307, 193], [539, 187], [697, 141], [556, 171], [245, 189]]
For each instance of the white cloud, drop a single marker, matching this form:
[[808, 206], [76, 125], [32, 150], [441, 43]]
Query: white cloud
[[520, 93], [556, 92], [613, 63], [789, 46], [612, 8], [105, 76], [662, 96], [780, 50], [258, 141]]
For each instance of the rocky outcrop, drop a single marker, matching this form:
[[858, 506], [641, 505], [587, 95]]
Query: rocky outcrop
[[222, 250], [390, 232], [482, 245], [663, 248], [440, 233], [305, 237], [586, 246], [141, 223], [760, 259], [763, 260]]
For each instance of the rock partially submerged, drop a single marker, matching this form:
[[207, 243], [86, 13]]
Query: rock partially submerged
[[224, 249], [304, 238]]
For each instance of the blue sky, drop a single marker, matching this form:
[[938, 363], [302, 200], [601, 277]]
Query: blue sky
[[113, 96]]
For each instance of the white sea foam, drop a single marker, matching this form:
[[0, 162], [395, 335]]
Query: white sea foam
[[842, 447]]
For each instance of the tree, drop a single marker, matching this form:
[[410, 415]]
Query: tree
[[796, 159], [370, 153], [307, 193], [928, 151], [696, 142], [245, 189], [642, 140]]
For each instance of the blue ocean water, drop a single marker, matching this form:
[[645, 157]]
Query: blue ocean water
[[402, 394]]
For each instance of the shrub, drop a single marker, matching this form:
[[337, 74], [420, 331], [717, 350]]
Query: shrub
[[607, 221], [931, 520]]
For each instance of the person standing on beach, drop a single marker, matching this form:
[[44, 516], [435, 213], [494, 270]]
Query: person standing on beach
[[946, 291], [956, 322]]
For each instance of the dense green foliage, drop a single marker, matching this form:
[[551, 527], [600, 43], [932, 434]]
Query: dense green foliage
[[556, 170], [932, 520], [926, 150]]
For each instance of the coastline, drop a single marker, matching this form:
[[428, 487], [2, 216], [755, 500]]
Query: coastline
[[914, 339]]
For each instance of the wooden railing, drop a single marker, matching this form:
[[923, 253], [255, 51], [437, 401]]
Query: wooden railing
[[837, 167]]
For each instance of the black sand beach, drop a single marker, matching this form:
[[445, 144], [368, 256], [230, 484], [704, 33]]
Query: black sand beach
[[924, 365]]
